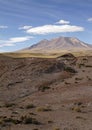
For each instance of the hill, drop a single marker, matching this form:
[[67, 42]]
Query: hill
[[46, 93], [59, 44]]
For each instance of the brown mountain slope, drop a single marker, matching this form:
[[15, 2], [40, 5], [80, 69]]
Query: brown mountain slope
[[59, 44], [24, 76]]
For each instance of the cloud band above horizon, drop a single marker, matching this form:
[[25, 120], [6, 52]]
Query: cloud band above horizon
[[49, 29]]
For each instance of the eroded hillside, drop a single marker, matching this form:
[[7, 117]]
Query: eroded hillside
[[46, 94]]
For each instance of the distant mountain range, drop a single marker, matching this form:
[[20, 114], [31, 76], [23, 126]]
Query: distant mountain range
[[59, 44]]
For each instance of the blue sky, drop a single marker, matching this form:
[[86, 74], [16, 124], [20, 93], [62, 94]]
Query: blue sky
[[26, 22]]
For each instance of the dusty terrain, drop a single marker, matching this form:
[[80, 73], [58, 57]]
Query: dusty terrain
[[46, 94]]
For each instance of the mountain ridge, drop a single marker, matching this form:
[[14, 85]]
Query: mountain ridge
[[59, 43]]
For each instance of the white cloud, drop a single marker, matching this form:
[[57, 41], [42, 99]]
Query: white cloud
[[48, 29], [7, 44], [14, 40], [3, 27], [90, 19], [63, 22], [25, 27], [19, 39]]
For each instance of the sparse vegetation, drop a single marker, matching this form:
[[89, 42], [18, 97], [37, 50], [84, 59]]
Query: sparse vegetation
[[29, 120], [88, 66], [85, 59], [29, 106], [49, 122], [43, 88], [76, 109], [31, 113], [66, 93], [76, 82], [78, 103], [69, 69], [78, 78], [81, 65], [15, 112], [43, 109], [67, 83], [9, 104], [79, 117], [22, 120], [10, 120]]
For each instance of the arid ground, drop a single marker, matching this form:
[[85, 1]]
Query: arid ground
[[46, 93]]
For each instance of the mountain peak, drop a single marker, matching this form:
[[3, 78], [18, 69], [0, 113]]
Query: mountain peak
[[59, 44]]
